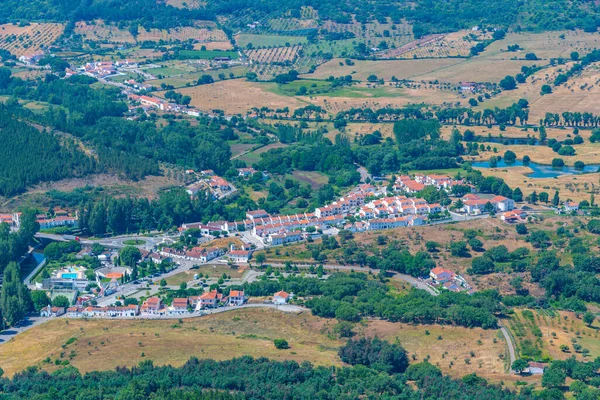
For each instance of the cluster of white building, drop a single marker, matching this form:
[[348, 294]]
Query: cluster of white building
[[473, 204], [383, 213], [405, 183]]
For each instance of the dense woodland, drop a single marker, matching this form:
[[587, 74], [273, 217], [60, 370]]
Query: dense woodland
[[427, 16], [248, 378]]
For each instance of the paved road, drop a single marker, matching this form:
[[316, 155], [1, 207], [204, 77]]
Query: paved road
[[364, 174], [26, 324], [31, 322], [511, 347]]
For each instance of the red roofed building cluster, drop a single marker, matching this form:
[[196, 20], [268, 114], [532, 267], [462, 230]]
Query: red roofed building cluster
[[474, 204]]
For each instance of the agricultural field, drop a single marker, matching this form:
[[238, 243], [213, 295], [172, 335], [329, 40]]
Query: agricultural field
[[456, 44], [277, 54], [292, 24], [189, 78], [236, 96], [98, 31], [254, 156], [401, 69], [29, 39], [263, 41], [541, 333]]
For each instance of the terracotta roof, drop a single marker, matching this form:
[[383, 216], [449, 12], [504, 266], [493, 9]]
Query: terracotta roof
[[282, 294]]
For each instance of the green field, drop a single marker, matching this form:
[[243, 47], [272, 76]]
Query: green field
[[206, 54], [268, 40], [134, 242]]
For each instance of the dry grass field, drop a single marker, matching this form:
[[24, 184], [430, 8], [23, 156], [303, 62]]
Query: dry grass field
[[28, 39], [105, 344], [512, 132], [99, 31], [574, 187], [401, 69], [447, 346], [236, 96], [547, 45]]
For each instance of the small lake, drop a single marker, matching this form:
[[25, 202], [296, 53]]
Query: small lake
[[540, 170], [507, 141]]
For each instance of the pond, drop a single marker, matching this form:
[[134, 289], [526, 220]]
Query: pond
[[540, 170], [507, 141]]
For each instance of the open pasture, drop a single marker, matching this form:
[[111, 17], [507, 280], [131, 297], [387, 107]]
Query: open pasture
[[98, 31], [261, 41], [546, 45], [26, 40], [236, 96]]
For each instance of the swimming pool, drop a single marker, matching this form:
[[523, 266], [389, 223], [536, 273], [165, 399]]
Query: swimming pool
[[69, 276]]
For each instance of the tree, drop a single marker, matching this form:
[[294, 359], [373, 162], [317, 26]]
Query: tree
[[508, 83], [520, 365], [459, 249], [432, 246], [521, 229], [15, 300], [481, 266], [556, 199], [130, 255], [374, 353], [40, 299], [589, 318], [509, 156], [553, 377], [544, 197], [61, 301], [281, 344], [517, 195], [163, 283], [261, 258]]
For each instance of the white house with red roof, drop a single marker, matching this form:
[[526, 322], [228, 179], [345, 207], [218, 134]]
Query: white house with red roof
[[281, 297], [441, 275], [209, 300], [570, 206], [152, 306], [179, 306], [240, 256], [236, 298]]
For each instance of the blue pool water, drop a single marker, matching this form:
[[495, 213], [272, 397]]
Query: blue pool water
[[69, 276]]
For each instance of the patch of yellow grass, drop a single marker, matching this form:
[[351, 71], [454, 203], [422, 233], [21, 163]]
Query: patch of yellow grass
[[105, 344]]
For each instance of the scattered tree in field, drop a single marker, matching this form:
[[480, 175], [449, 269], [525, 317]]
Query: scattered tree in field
[[520, 365], [281, 344], [589, 318], [508, 83]]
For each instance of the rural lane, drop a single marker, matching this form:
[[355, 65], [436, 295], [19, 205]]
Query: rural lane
[[511, 347]]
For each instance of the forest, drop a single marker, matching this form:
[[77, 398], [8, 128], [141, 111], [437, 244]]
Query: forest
[[132, 149], [29, 156], [426, 16], [249, 378], [352, 297]]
